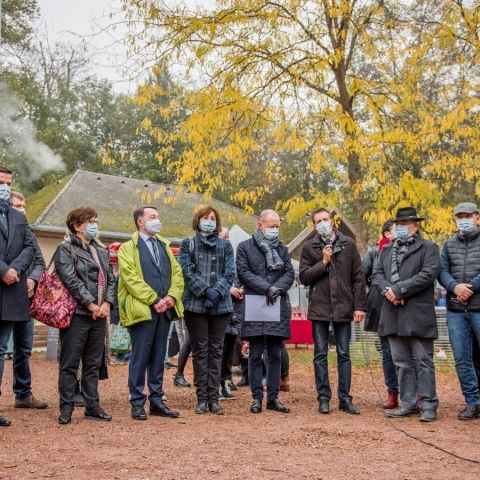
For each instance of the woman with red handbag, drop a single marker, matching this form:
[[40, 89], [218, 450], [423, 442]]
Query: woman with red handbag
[[82, 263]]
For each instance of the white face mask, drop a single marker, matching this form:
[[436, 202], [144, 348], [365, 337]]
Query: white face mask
[[271, 233], [153, 226], [324, 228]]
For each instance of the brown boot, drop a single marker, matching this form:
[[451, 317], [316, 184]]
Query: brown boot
[[30, 402], [284, 385], [392, 401]]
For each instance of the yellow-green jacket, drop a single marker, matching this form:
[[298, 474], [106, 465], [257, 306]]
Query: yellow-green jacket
[[135, 296]]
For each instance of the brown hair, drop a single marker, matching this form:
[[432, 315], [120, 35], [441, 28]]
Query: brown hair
[[138, 212], [18, 195], [320, 210], [201, 212], [6, 170], [79, 215]]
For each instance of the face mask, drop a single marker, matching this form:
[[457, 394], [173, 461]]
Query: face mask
[[5, 192], [401, 232], [91, 231], [207, 226], [271, 233], [153, 226], [324, 228], [465, 225]]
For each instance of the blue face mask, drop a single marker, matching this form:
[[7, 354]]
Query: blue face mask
[[465, 225], [207, 226], [401, 232], [5, 192], [271, 233], [92, 231]]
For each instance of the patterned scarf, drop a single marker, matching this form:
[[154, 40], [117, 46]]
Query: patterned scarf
[[101, 276], [399, 250], [270, 250]]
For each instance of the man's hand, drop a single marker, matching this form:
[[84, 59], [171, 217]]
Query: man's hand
[[95, 309], [327, 254], [359, 316], [104, 310], [160, 306], [31, 287], [11, 277], [170, 301], [463, 291], [236, 293], [392, 298]]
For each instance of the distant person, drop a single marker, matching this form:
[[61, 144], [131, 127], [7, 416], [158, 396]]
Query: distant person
[[264, 268], [17, 252], [82, 263], [209, 270], [149, 297], [405, 275], [331, 266], [460, 275]]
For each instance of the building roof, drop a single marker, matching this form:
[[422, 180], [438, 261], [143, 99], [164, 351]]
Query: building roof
[[115, 198]]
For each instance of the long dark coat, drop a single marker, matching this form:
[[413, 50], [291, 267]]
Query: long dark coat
[[418, 271], [16, 252], [253, 275]]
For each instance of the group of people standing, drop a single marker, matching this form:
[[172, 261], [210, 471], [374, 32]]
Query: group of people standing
[[209, 284]]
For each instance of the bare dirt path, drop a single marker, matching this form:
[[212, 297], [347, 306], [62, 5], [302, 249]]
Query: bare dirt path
[[239, 445]]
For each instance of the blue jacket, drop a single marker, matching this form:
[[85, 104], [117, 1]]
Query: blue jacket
[[207, 264]]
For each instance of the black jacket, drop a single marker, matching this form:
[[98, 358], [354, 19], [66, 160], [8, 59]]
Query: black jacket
[[374, 297], [38, 265], [418, 271], [460, 263], [253, 275], [16, 252], [79, 272], [338, 289]]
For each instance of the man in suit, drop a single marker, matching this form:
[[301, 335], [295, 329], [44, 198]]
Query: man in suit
[[23, 332], [17, 251], [149, 297]]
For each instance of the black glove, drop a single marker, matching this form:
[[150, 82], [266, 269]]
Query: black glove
[[213, 297], [272, 294]]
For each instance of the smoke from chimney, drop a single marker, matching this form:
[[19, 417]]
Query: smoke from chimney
[[17, 136]]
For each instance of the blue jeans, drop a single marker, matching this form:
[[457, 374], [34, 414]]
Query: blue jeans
[[342, 331], [389, 370], [462, 328], [23, 344]]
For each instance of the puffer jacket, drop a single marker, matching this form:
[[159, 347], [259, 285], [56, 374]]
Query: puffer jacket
[[79, 272], [460, 263]]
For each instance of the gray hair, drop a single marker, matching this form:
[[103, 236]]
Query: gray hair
[[18, 195], [266, 213]]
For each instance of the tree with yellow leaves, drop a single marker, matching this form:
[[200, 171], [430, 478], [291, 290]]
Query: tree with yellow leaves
[[381, 97]]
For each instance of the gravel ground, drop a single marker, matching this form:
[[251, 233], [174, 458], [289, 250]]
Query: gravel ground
[[303, 444]]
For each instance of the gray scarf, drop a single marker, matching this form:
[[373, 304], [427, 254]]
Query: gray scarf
[[399, 250], [270, 250]]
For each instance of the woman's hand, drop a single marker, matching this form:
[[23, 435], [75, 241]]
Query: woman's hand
[[95, 309], [104, 310]]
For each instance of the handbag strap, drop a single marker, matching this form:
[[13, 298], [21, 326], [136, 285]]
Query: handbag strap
[[72, 252]]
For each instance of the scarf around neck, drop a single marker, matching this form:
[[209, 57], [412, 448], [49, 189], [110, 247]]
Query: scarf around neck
[[399, 250], [270, 249]]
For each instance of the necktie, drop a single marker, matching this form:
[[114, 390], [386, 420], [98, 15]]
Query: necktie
[[4, 224], [156, 254]]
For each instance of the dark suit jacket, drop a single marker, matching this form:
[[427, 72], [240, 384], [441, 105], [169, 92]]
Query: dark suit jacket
[[16, 252]]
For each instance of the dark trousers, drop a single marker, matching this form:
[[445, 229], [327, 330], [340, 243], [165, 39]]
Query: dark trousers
[[149, 344], [84, 340], [285, 361], [23, 344], [389, 370], [207, 334], [185, 351], [227, 358], [412, 389], [342, 332], [273, 347]]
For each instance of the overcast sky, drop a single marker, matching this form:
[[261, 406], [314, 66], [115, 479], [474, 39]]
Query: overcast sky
[[72, 20]]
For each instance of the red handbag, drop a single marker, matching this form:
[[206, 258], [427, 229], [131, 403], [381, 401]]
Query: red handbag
[[52, 303]]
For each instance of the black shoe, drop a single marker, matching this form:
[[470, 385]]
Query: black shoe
[[428, 416], [4, 422], [201, 408], [256, 406], [324, 406], [30, 402], [97, 413], [161, 410], [277, 406], [470, 412], [243, 382], [231, 385], [215, 408], [225, 391], [349, 407], [65, 417], [401, 412], [138, 413], [179, 380], [169, 365]]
